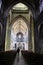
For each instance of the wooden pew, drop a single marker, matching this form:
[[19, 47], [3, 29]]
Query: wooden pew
[[32, 58], [7, 57]]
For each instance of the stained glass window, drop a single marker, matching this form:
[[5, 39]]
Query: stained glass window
[[41, 5]]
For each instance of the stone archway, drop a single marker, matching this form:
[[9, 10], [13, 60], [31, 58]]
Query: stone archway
[[29, 4], [28, 16], [41, 38], [20, 28]]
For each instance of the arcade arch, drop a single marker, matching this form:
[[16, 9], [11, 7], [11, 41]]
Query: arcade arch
[[22, 19]]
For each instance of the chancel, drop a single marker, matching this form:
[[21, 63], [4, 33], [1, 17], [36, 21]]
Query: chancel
[[21, 27]]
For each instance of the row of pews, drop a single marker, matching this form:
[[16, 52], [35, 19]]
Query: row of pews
[[32, 58], [7, 57]]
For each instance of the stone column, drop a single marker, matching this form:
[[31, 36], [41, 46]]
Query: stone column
[[32, 33], [32, 48], [7, 39], [1, 27], [4, 31], [36, 38]]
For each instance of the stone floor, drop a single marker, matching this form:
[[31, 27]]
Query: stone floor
[[19, 60]]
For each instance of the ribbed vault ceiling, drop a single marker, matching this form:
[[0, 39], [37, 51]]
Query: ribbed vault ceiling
[[19, 26], [7, 3], [20, 6]]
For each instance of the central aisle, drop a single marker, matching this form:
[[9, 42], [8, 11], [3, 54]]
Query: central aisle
[[19, 60]]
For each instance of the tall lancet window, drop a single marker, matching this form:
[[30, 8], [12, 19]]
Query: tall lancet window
[[41, 5], [0, 3]]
